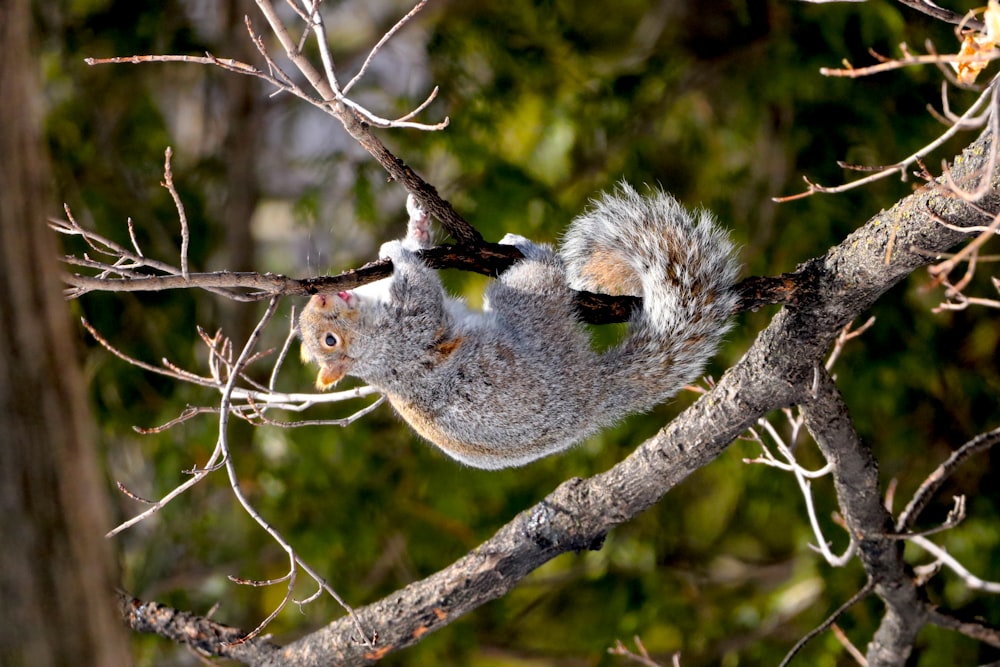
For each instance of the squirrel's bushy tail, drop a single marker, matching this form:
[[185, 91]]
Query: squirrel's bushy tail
[[681, 263]]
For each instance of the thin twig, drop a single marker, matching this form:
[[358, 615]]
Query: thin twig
[[902, 165], [258, 418], [889, 64], [851, 649], [196, 476], [845, 335], [830, 620], [949, 561], [234, 482], [986, 181], [934, 481], [168, 183], [315, 22], [802, 478], [378, 46], [292, 335], [641, 657], [970, 249]]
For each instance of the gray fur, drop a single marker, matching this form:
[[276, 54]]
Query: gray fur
[[519, 380]]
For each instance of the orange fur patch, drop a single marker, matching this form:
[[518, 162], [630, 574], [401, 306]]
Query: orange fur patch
[[608, 269], [329, 375], [425, 424], [447, 347]]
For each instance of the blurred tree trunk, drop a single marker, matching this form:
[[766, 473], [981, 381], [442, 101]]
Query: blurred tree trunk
[[56, 568], [241, 151]]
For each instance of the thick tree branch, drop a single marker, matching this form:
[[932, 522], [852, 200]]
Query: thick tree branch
[[778, 370], [855, 475]]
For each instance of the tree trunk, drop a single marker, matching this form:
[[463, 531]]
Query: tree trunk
[[56, 573]]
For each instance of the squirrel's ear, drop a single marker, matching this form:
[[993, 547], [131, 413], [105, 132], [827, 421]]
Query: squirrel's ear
[[329, 375]]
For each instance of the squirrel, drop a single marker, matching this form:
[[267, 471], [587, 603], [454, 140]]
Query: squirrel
[[520, 380]]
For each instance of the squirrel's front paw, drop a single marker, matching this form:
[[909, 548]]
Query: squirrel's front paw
[[391, 250], [418, 228], [397, 252], [528, 248]]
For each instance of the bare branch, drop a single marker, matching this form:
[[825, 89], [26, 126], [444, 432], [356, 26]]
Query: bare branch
[[975, 629], [901, 166], [846, 334], [993, 112], [481, 257], [954, 298], [642, 657], [382, 42], [790, 464], [856, 479], [315, 22], [949, 561], [851, 649], [196, 476], [206, 637], [942, 14], [829, 622], [930, 486], [127, 492], [346, 114], [908, 60], [802, 478], [168, 183]]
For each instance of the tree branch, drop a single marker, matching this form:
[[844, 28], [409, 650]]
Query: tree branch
[[426, 194], [855, 475], [934, 481], [483, 258], [203, 635], [778, 370], [930, 9]]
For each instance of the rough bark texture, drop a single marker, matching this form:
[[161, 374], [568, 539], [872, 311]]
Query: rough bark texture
[[56, 575]]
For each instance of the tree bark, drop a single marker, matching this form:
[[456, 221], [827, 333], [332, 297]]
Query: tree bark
[[56, 574]]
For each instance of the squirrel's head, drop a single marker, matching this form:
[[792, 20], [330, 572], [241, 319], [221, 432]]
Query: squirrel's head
[[326, 329]]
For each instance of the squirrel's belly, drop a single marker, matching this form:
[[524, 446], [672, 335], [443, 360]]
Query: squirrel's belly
[[426, 425], [458, 440]]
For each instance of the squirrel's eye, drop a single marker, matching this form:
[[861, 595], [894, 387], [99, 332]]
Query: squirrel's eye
[[331, 340]]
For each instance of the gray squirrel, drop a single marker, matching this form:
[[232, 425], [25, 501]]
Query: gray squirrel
[[520, 380]]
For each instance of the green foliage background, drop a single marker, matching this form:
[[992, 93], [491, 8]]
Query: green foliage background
[[550, 102]]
